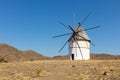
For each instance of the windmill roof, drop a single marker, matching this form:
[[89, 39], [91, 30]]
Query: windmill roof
[[81, 35]]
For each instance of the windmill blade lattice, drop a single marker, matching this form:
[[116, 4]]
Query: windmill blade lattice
[[85, 18], [64, 25], [63, 46], [61, 35]]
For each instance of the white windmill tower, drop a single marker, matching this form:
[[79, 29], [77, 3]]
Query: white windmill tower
[[79, 45], [79, 42]]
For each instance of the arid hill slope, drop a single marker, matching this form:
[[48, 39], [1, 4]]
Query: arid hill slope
[[104, 57], [9, 53], [32, 55]]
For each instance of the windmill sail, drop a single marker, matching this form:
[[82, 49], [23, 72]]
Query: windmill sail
[[79, 42], [82, 35]]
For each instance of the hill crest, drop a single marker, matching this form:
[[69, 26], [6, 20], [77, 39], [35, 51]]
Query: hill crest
[[9, 53]]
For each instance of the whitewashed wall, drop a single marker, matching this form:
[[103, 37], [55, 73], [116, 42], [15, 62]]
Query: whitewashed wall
[[84, 50]]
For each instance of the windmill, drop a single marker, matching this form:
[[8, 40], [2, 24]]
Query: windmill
[[79, 42]]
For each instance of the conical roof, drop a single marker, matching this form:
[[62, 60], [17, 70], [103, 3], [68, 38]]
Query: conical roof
[[80, 35]]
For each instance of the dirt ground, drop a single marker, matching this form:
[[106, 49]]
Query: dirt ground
[[61, 70]]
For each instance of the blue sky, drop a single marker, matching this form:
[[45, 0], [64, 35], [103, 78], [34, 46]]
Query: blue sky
[[30, 24]]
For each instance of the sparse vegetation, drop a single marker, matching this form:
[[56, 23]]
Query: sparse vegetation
[[31, 59], [38, 71], [2, 59], [61, 70]]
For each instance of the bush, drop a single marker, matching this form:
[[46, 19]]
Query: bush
[[38, 71], [31, 59], [2, 59]]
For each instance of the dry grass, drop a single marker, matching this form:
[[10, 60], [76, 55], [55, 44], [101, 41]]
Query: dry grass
[[61, 70]]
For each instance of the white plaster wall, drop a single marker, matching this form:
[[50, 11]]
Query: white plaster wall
[[82, 53]]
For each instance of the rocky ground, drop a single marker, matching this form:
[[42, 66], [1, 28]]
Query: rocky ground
[[61, 70]]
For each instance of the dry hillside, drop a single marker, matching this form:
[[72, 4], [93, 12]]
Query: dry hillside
[[32, 55], [104, 57], [9, 53]]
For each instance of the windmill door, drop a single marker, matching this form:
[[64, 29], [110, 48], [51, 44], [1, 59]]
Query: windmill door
[[72, 55]]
